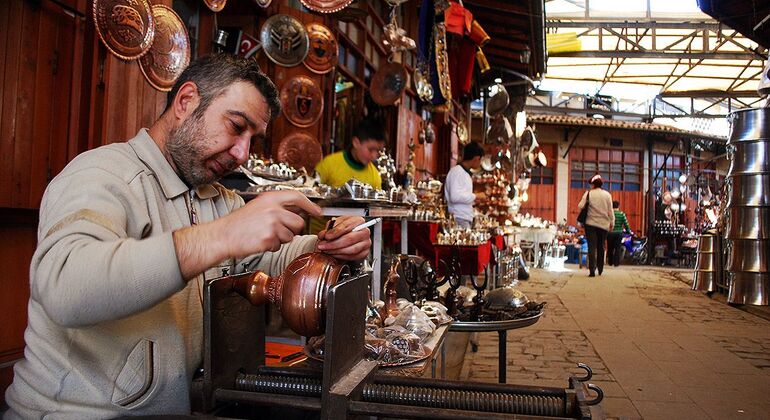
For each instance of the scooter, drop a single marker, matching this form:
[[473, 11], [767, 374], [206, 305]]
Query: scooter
[[635, 247]]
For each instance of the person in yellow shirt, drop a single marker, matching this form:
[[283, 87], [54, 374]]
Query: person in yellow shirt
[[356, 161]]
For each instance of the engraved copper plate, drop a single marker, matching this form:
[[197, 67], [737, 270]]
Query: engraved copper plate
[[302, 101], [170, 51], [263, 3], [126, 27], [215, 5], [300, 150], [326, 6], [388, 84], [284, 40], [322, 55], [442, 61]]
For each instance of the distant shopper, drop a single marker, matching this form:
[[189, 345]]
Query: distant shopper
[[600, 220], [614, 237], [458, 188]]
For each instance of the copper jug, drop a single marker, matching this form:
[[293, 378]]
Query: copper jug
[[299, 292]]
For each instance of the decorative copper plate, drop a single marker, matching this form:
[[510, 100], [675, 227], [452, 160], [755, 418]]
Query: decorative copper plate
[[126, 27], [170, 51], [462, 133], [263, 3], [300, 150], [215, 5], [442, 61], [326, 6], [302, 101], [322, 55], [284, 40], [388, 83]]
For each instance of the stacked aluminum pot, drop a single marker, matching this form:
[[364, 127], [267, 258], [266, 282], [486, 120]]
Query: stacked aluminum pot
[[708, 263], [747, 234]]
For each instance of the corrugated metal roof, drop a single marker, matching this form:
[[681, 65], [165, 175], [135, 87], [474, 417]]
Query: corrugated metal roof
[[619, 124]]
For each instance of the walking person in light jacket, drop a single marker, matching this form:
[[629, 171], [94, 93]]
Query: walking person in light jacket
[[601, 219]]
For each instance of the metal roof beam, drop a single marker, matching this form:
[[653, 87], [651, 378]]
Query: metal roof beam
[[653, 54], [692, 25]]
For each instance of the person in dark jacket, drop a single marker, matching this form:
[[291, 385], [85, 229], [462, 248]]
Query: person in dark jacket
[[616, 234]]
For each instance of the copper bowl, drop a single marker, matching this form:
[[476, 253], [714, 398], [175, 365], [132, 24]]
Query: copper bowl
[[299, 292]]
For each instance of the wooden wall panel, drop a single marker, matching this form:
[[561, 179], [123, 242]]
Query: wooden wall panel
[[11, 33], [542, 197]]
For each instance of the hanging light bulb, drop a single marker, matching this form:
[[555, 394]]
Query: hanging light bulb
[[524, 197], [682, 207]]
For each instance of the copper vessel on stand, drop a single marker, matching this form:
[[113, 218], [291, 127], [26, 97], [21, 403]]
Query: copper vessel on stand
[[299, 292]]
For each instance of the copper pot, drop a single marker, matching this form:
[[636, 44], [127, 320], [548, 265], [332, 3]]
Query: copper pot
[[299, 292]]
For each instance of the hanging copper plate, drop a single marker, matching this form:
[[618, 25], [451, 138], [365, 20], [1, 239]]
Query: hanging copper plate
[[322, 55], [263, 3], [126, 27], [462, 133], [170, 51], [300, 150], [284, 40], [442, 61], [389, 83], [302, 101], [215, 5], [326, 6]]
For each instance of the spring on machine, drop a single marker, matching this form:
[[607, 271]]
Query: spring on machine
[[452, 399]]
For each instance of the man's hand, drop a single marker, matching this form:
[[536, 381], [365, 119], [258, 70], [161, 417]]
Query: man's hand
[[263, 224], [342, 243]]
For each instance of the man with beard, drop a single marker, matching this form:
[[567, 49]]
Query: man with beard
[[128, 233]]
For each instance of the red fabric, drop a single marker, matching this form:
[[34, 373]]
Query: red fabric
[[458, 20], [462, 58], [498, 241], [473, 258], [422, 236]]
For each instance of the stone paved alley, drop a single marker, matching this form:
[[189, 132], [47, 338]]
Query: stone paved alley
[[658, 349]]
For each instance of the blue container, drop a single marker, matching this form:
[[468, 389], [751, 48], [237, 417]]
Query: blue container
[[573, 254]]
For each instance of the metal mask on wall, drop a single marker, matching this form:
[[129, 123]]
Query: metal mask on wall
[[302, 101], [284, 40], [300, 150], [326, 6], [169, 54], [388, 84], [126, 27], [322, 55], [215, 5]]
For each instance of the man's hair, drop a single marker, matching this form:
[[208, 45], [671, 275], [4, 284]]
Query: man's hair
[[370, 128], [471, 150], [214, 73], [615, 204]]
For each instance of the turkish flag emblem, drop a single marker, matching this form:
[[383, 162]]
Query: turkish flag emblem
[[247, 45]]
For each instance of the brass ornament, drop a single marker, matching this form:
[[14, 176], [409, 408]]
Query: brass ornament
[[215, 5], [442, 61], [462, 133], [326, 6], [421, 85], [170, 53], [126, 27], [284, 40], [389, 83], [302, 101], [300, 150], [263, 3], [323, 52]]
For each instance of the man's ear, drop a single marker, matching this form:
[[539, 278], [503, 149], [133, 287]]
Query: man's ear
[[355, 141], [186, 100]]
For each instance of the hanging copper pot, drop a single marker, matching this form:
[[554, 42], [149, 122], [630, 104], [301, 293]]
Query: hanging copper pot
[[126, 27], [299, 292], [388, 84], [169, 54]]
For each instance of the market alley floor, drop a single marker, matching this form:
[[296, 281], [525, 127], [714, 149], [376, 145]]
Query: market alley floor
[[657, 349]]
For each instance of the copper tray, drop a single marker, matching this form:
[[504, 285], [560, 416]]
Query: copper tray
[[389, 83], [318, 358], [302, 101], [326, 6], [300, 150], [284, 40], [510, 324], [169, 54], [215, 5], [126, 27], [323, 53]]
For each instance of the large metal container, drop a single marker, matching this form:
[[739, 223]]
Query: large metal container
[[749, 190], [752, 157], [748, 223], [708, 272], [747, 234]]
